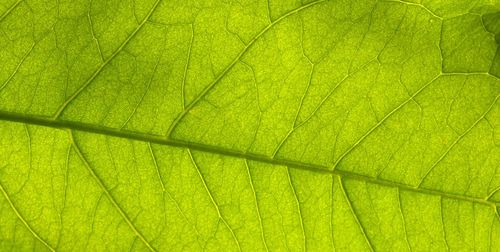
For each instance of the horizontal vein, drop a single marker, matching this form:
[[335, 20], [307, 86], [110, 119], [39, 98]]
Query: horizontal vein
[[161, 140], [21, 218]]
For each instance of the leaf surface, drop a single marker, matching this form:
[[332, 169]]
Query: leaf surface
[[250, 125]]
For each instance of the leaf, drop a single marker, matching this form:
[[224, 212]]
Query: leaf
[[249, 125]]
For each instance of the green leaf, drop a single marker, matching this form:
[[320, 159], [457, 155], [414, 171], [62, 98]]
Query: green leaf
[[249, 125]]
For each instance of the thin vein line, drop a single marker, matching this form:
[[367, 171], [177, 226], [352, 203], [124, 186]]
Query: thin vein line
[[65, 197], [134, 111], [185, 217], [294, 126], [25, 56], [89, 17], [30, 157], [8, 11], [320, 104], [497, 55], [362, 138], [132, 244], [269, 11], [105, 63], [298, 207], [256, 203], [256, 131], [418, 5], [183, 89], [20, 217], [442, 223], [331, 211], [156, 167], [231, 65], [107, 192], [93, 216], [403, 218], [491, 228], [456, 141], [212, 198], [492, 193], [166, 192], [160, 140], [474, 226], [362, 229]]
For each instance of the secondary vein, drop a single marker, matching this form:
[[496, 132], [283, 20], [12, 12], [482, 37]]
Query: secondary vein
[[108, 193], [21, 218], [245, 49]]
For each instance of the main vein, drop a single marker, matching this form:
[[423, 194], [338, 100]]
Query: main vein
[[162, 140]]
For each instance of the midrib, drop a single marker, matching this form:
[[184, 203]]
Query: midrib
[[162, 140]]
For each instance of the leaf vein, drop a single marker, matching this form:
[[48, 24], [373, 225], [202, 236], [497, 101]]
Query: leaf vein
[[21, 218], [16, 70], [231, 65], [403, 219], [256, 203], [457, 140], [161, 140], [349, 203], [298, 207], [387, 116], [8, 11], [202, 178], [107, 192], [105, 63]]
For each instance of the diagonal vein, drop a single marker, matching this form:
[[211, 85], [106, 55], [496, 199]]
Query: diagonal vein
[[231, 65], [332, 191], [8, 11], [376, 126], [160, 140], [400, 204], [105, 63], [212, 199], [442, 223], [148, 86], [107, 192], [21, 218], [167, 193], [247, 166], [16, 70], [460, 137], [298, 207], [362, 229]]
